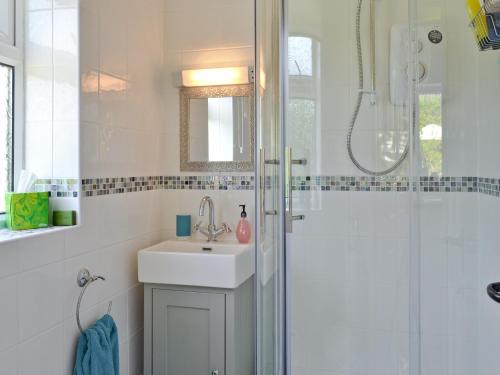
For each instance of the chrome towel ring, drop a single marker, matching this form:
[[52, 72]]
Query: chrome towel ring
[[84, 279]]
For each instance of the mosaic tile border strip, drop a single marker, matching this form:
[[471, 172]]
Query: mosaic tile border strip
[[118, 185], [350, 183], [449, 184], [489, 186], [59, 188], [385, 184]]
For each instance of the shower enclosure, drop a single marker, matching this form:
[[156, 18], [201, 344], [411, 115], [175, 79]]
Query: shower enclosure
[[378, 189]]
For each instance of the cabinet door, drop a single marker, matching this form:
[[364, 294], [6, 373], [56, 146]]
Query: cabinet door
[[188, 333]]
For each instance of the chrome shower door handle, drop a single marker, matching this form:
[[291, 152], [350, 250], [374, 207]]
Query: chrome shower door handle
[[289, 162], [263, 162]]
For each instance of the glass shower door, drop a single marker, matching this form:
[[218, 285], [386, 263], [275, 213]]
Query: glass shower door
[[348, 268]]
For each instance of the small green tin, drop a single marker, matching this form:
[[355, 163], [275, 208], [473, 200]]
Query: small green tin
[[64, 218]]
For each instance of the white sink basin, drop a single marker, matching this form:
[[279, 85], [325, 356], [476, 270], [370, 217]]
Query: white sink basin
[[224, 264]]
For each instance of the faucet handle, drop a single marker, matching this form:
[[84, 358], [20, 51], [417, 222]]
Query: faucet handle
[[226, 228], [197, 227]]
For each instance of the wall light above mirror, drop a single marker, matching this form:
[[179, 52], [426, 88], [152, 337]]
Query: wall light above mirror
[[217, 128], [241, 75]]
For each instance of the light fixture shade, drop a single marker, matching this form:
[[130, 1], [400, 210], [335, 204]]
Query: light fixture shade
[[216, 77]]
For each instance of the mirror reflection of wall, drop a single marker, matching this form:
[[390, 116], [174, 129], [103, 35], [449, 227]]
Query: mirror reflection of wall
[[219, 129]]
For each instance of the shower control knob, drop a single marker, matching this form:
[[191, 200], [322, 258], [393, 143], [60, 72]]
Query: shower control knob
[[215, 372], [420, 46], [422, 71]]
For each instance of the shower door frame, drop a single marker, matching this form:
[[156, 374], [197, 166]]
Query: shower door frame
[[275, 212]]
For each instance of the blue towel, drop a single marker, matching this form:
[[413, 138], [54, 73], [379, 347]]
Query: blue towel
[[97, 351]]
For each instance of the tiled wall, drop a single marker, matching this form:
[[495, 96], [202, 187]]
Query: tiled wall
[[321, 137], [202, 34], [367, 241], [38, 290], [351, 281], [350, 257], [488, 312], [349, 262]]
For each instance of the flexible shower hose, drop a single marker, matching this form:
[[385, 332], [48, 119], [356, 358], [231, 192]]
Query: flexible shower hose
[[357, 108]]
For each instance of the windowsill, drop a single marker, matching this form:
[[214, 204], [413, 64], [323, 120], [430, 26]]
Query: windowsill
[[7, 235]]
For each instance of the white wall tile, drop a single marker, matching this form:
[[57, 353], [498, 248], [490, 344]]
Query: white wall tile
[[9, 259], [434, 354], [38, 140], [8, 362], [66, 143], [319, 209], [39, 4], [51, 81], [113, 38], [45, 353], [121, 264], [86, 237], [362, 213], [65, 60], [42, 250], [9, 321], [38, 82], [38, 37], [89, 35], [89, 151], [40, 303]]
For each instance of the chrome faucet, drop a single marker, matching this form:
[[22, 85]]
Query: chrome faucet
[[211, 230]]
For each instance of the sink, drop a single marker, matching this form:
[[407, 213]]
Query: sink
[[222, 264]]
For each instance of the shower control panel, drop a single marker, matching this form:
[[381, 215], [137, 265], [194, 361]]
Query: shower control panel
[[431, 55]]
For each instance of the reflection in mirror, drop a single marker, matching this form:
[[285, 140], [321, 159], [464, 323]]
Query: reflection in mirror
[[217, 128]]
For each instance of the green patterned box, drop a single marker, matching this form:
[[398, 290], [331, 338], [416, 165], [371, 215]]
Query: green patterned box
[[27, 210]]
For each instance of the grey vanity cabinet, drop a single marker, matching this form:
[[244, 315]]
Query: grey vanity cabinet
[[198, 331], [188, 335]]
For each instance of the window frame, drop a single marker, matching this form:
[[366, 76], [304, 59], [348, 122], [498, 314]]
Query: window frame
[[13, 56]]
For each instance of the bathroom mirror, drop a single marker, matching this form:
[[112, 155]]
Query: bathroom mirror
[[217, 128]]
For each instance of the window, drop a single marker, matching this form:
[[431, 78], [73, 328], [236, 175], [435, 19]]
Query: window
[[11, 83], [6, 121], [431, 133], [304, 105], [300, 56]]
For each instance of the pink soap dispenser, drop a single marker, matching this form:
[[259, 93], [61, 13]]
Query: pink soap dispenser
[[243, 230]]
